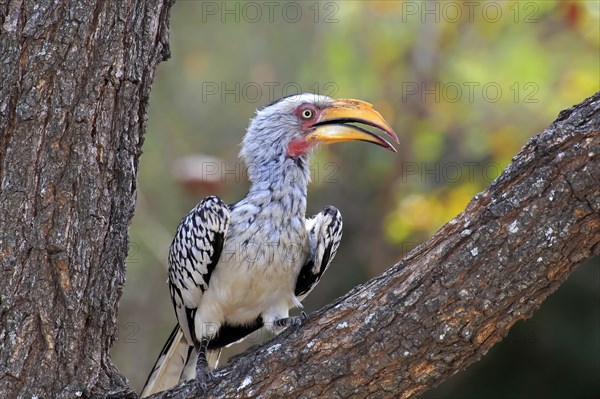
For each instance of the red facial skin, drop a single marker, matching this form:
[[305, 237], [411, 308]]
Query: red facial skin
[[297, 147], [300, 146]]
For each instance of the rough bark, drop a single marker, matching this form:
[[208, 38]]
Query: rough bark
[[443, 306], [75, 79]]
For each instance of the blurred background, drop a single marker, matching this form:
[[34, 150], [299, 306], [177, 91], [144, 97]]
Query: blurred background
[[464, 85]]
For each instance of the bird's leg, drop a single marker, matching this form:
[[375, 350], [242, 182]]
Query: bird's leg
[[203, 371]]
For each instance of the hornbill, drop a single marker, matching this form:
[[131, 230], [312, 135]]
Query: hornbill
[[236, 268]]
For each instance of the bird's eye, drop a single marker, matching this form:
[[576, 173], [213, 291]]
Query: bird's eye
[[307, 113]]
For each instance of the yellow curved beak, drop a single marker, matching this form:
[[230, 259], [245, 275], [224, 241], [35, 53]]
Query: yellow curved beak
[[334, 124]]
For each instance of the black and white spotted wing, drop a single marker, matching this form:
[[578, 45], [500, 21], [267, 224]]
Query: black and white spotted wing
[[324, 234], [194, 254]]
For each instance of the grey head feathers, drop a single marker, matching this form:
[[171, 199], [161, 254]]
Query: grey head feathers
[[265, 144]]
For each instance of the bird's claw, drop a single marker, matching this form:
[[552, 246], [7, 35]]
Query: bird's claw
[[201, 386], [203, 377], [292, 321], [295, 321]]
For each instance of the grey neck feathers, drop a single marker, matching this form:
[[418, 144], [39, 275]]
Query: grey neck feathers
[[281, 183], [278, 182]]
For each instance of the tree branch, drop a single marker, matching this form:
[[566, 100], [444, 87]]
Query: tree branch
[[452, 298]]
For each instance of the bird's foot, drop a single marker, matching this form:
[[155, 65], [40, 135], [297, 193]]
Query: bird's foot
[[203, 377], [292, 321]]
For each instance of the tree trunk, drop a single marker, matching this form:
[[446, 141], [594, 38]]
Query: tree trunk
[[444, 306], [75, 79]]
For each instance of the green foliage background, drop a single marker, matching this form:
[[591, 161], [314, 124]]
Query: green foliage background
[[463, 84]]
